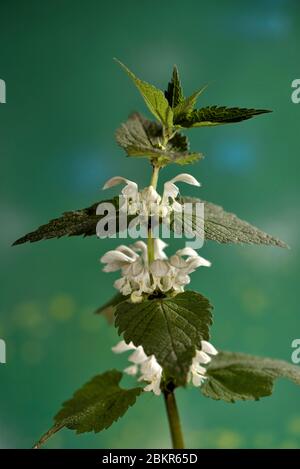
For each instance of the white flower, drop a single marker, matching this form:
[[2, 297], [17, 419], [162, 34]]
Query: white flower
[[164, 274], [171, 191], [159, 246], [202, 357], [131, 370], [149, 369], [133, 263], [130, 193], [207, 347], [123, 347], [148, 202]]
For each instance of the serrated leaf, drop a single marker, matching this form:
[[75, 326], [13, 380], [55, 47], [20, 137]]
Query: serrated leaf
[[94, 407], [237, 376], [109, 308], [140, 137], [169, 328], [184, 109], [216, 115], [80, 222], [219, 226], [174, 92], [224, 227], [154, 99]]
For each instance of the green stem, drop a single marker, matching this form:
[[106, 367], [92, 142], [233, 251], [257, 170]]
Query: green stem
[[171, 406], [154, 177], [153, 183], [174, 421]]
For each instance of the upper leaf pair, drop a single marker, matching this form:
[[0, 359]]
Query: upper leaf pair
[[182, 107], [174, 111]]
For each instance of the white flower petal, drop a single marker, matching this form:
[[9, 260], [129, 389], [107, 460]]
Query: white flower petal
[[128, 251], [207, 347], [150, 368], [197, 380], [112, 267], [202, 357], [159, 246], [187, 178], [140, 246], [198, 369], [115, 181], [123, 285], [170, 190], [193, 263], [138, 356], [165, 283], [131, 370], [176, 206], [115, 256], [159, 268], [182, 279], [123, 347], [154, 386], [150, 195], [178, 262], [131, 191], [187, 251]]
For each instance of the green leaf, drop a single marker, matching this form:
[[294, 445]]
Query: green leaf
[[184, 109], [216, 115], [237, 376], [94, 407], [174, 93], [223, 227], [75, 223], [219, 226], [140, 137], [170, 328], [109, 308], [154, 99]]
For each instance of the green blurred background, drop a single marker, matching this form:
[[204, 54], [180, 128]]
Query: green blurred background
[[65, 98]]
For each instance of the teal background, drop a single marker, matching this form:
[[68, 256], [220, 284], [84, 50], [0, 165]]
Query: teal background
[[65, 98]]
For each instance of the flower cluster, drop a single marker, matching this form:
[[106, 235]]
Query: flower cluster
[[148, 202], [150, 371], [162, 275]]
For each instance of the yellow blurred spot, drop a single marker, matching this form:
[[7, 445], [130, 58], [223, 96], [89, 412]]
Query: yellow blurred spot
[[254, 301], [293, 425], [32, 352], [62, 307], [228, 439], [28, 315]]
